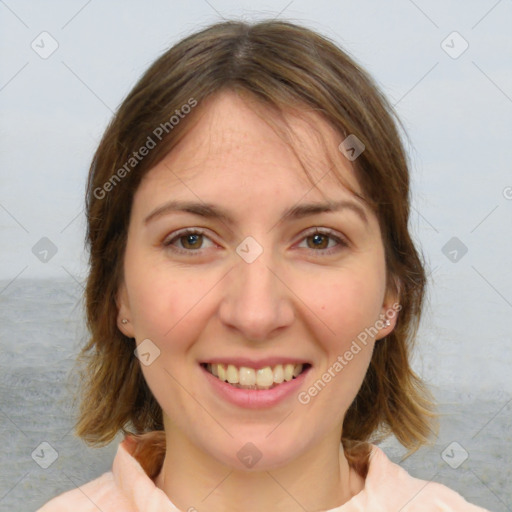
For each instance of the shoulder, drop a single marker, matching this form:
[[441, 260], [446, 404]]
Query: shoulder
[[99, 494], [128, 487], [390, 483]]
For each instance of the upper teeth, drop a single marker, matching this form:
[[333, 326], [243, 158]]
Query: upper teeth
[[263, 377]]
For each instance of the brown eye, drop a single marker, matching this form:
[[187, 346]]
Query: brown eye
[[191, 241], [318, 241], [323, 242]]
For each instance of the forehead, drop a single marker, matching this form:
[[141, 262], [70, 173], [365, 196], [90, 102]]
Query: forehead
[[237, 141]]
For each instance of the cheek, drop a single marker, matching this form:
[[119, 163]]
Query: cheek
[[171, 311], [168, 307], [347, 304]]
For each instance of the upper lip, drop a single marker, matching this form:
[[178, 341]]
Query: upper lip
[[255, 363]]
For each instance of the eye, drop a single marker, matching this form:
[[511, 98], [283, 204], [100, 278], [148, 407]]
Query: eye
[[187, 241], [324, 241], [191, 241]]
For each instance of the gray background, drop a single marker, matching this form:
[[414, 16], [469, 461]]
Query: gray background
[[457, 111]]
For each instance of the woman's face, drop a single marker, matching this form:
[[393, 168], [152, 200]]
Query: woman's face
[[266, 277]]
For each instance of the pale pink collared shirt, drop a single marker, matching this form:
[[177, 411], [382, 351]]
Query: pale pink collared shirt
[[388, 488]]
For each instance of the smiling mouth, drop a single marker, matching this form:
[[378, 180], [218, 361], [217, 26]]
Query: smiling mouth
[[267, 377]]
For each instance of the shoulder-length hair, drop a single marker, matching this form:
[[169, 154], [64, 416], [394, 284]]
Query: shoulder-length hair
[[287, 68]]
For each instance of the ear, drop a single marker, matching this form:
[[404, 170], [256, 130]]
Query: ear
[[390, 309], [124, 312]]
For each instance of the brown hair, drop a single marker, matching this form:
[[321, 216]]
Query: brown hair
[[285, 67]]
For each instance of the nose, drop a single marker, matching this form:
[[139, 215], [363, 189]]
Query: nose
[[256, 301]]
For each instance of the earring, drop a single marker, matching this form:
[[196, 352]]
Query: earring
[[124, 321], [387, 323]]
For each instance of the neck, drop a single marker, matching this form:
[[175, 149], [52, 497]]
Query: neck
[[318, 479]]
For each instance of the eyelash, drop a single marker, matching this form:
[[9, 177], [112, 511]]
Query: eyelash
[[341, 242]]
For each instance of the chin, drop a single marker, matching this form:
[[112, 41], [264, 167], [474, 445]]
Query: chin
[[260, 449]]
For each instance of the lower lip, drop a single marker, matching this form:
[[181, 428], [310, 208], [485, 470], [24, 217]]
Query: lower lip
[[255, 398]]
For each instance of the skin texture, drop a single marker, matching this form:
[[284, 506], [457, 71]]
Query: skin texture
[[294, 300]]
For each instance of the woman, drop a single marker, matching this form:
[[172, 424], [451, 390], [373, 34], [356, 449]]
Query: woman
[[254, 291]]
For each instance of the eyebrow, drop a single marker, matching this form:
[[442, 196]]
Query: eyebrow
[[211, 211]]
